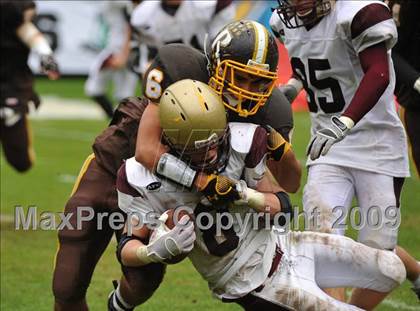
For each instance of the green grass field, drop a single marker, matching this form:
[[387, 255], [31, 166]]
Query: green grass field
[[61, 147]]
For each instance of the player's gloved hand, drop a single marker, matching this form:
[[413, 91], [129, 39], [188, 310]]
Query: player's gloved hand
[[220, 188], [166, 244], [276, 144], [417, 85], [326, 137], [50, 67]]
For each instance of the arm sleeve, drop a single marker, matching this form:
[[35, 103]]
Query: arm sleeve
[[374, 61], [12, 13]]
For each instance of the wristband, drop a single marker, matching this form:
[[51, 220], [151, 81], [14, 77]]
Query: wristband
[[347, 121], [142, 255], [255, 199]]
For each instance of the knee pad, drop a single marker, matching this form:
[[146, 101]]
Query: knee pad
[[391, 266]]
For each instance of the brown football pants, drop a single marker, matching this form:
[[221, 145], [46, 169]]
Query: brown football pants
[[17, 144], [80, 250]]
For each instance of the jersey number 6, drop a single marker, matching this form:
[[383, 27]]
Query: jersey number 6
[[153, 88], [315, 65]]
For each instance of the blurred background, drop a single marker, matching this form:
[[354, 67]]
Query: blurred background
[[64, 128]]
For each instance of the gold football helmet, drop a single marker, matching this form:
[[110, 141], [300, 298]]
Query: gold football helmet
[[194, 122]]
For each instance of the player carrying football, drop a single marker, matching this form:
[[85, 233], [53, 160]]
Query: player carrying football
[[254, 266]]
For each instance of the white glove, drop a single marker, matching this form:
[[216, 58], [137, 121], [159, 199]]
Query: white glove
[[167, 243], [326, 137]]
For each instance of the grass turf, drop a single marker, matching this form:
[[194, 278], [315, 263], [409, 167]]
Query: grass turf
[[27, 256]]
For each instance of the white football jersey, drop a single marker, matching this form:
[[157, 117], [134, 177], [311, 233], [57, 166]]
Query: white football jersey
[[325, 58], [245, 263], [113, 14], [191, 21]]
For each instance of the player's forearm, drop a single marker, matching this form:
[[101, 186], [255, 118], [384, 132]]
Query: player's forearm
[[134, 254], [149, 148], [374, 61], [149, 153], [287, 172]]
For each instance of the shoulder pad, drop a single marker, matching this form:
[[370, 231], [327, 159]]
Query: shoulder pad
[[367, 23], [277, 26], [241, 136], [132, 107], [139, 177]]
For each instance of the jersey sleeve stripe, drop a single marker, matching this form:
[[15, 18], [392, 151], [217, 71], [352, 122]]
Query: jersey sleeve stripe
[[123, 184], [367, 17], [258, 148]]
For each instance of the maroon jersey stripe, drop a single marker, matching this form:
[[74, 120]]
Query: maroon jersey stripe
[[123, 185], [258, 148], [222, 4], [367, 17]]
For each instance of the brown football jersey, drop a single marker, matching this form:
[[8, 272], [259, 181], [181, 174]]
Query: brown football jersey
[[12, 48], [118, 141], [16, 78], [175, 62]]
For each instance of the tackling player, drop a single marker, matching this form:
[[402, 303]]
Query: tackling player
[[241, 66], [79, 251], [340, 52], [19, 36], [254, 266]]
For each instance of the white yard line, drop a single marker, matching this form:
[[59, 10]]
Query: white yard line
[[62, 134], [53, 107], [398, 305]]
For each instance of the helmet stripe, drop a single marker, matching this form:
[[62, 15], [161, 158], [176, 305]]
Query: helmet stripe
[[261, 43]]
